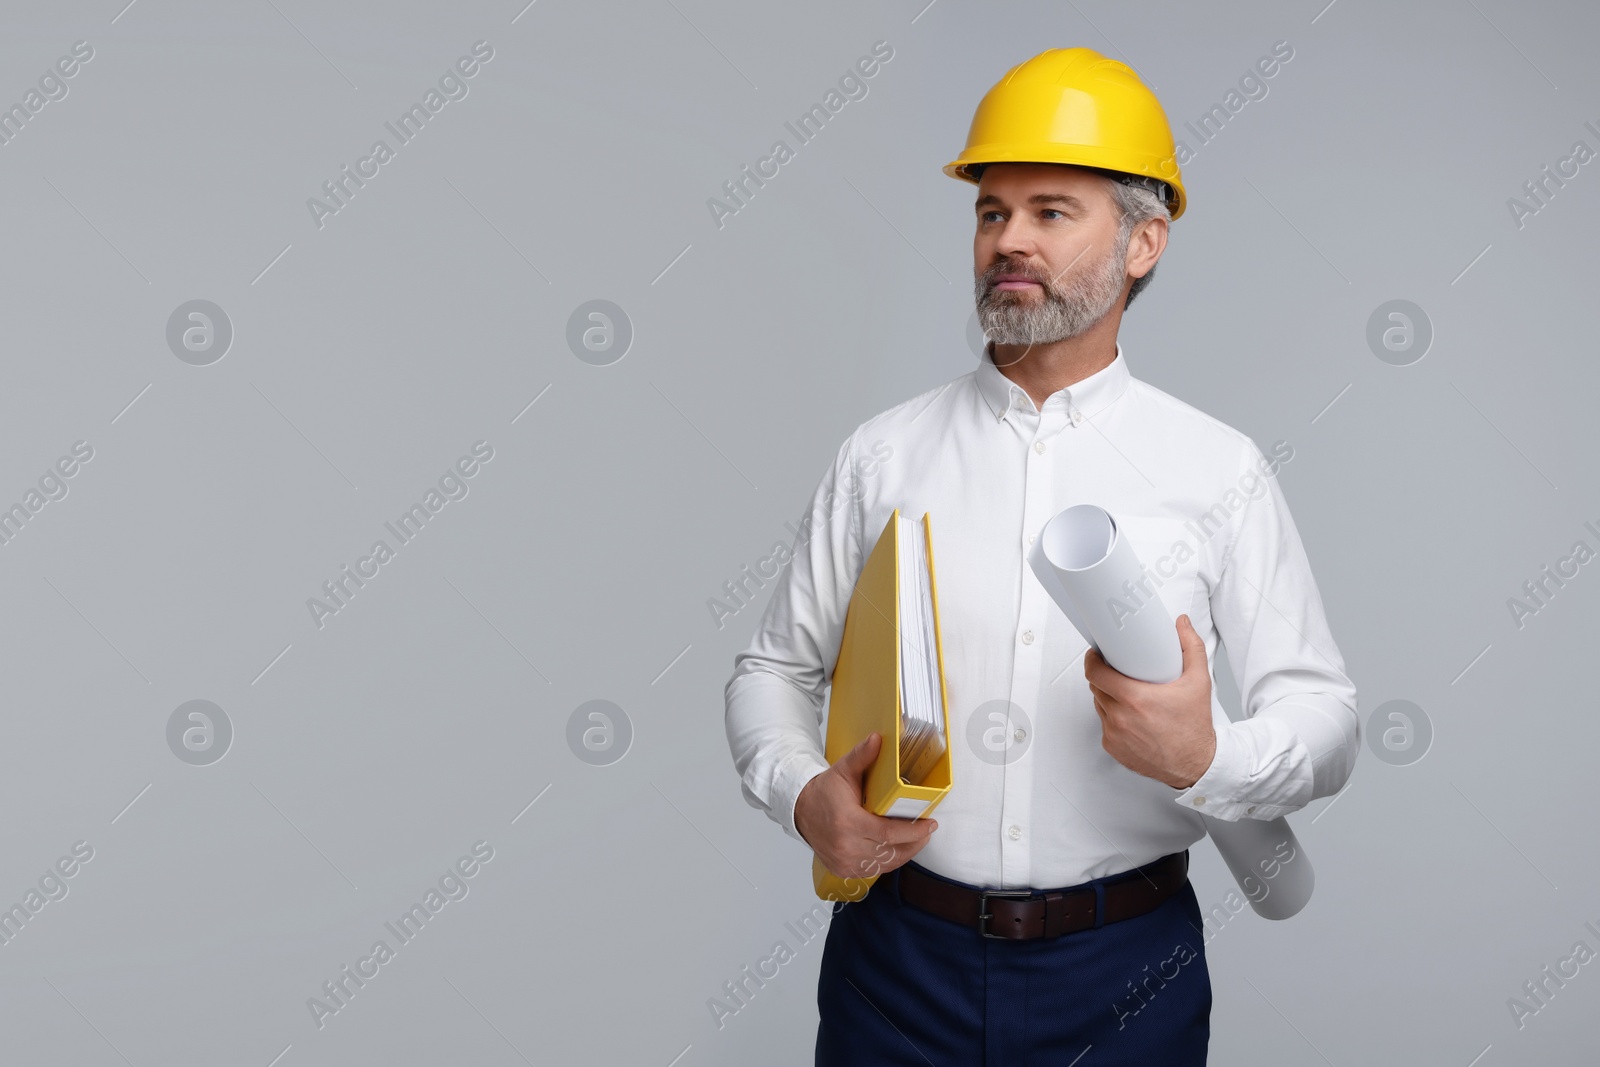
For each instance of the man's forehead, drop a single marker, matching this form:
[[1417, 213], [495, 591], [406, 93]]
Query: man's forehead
[[1057, 196], [1040, 183]]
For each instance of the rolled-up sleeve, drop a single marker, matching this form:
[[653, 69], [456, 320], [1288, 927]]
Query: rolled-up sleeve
[[1300, 733], [775, 697]]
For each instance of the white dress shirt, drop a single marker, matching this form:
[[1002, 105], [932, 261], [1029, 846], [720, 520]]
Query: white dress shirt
[[1036, 800]]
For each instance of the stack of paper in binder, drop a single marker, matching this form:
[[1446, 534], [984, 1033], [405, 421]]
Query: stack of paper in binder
[[889, 679]]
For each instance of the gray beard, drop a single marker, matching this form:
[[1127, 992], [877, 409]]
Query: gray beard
[[1009, 317]]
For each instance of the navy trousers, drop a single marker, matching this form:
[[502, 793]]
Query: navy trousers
[[901, 986]]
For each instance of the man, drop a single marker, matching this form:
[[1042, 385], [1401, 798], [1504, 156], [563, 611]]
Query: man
[[1077, 790]]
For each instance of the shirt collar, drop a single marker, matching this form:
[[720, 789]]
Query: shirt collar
[[1088, 396]]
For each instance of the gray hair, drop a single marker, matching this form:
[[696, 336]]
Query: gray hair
[[1137, 201]]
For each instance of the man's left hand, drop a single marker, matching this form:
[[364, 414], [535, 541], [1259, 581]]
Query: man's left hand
[[1160, 731]]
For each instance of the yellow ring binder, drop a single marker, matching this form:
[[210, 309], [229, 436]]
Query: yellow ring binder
[[869, 694]]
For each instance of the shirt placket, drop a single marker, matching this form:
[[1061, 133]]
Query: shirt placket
[[1041, 436]]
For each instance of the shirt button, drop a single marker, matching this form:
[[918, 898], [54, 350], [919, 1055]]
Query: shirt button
[[1014, 833], [1022, 734], [1027, 637], [1199, 801], [1251, 810], [1038, 446], [1032, 538]]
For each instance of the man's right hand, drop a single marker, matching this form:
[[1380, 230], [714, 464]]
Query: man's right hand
[[851, 841]]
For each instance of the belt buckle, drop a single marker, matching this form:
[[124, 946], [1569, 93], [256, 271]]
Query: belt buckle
[[983, 908]]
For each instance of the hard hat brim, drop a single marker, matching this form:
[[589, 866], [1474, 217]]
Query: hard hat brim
[[1076, 156]]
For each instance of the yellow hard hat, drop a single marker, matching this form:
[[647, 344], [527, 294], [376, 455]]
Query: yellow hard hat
[[1074, 105]]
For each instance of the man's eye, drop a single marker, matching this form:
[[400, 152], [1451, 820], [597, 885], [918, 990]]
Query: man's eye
[[987, 215], [1053, 211]]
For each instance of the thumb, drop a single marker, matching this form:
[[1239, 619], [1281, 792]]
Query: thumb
[[855, 763], [1194, 646]]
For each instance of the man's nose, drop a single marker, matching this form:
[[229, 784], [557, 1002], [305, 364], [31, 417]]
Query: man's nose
[[1016, 240]]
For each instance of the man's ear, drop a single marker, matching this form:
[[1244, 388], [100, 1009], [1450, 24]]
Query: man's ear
[[1145, 246]]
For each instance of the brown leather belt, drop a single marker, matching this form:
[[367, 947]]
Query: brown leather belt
[[1023, 914]]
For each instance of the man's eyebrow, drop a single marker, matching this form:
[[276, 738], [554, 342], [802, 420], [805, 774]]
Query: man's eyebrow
[[1037, 199]]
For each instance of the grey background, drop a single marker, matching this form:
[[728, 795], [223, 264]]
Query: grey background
[[369, 354]]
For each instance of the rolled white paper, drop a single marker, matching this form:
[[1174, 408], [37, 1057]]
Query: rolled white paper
[[1267, 861], [1083, 561], [1088, 569]]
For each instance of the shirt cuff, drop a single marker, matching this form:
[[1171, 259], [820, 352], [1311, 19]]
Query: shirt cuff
[[791, 779], [1221, 791]]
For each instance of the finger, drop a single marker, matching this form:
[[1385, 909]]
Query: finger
[[900, 831], [1104, 706], [855, 763], [902, 854], [1093, 663], [868, 865], [1106, 679]]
